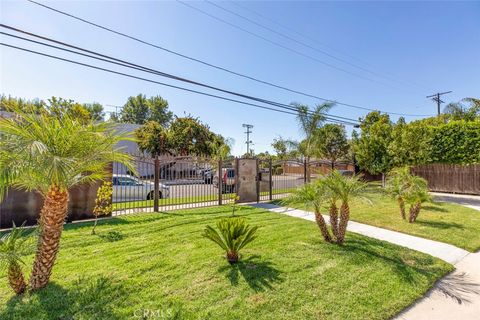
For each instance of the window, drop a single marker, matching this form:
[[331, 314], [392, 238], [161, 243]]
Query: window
[[124, 181]]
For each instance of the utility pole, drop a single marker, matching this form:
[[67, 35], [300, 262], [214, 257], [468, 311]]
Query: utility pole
[[248, 142], [436, 97]]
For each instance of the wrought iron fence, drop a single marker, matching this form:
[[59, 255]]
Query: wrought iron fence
[[168, 183]]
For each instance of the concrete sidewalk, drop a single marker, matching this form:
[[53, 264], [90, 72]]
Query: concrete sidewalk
[[446, 252], [456, 296]]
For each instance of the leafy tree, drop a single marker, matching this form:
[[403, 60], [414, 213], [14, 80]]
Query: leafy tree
[[332, 142], [50, 155], [409, 145], [154, 139], [95, 110], [11, 103], [280, 147], [191, 137], [371, 147], [461, 111], [233, 234], [417, 195], [139, 110], [221, 147], [59, 107]]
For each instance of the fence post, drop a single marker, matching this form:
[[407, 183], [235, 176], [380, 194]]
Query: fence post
[[156, 183], [270, 181], [258, 180], [305, 170], [220, 166]]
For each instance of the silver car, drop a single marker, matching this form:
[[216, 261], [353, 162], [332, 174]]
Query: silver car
[[127, 187]]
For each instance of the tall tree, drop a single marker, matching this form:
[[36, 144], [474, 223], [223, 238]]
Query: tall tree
[[467, 109], [154, 139], [50, 155], [371, 147], [95, 110], [310, 121], [332, 142], [190, 136], [139, 110]]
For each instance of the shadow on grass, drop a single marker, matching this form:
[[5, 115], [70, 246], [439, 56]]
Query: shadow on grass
[[93, 298], [439, 224], [259, 275], [371, 250], [436, 207], [112, 236]]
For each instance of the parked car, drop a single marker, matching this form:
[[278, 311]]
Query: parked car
[[228, 180], [127, 187]]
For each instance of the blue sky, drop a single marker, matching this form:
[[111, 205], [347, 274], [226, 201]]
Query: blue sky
[[418, 48]]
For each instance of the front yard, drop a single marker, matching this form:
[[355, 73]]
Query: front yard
[[158, 264], [444, 222]]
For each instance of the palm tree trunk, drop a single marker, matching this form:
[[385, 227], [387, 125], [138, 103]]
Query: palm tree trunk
[[52, 217], [401, 204], [334, 220], [323, 226], [414, 211], [16, 278], [342, 225]]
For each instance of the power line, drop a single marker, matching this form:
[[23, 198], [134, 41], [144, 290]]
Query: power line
[[216, 66], [160, 83], [276, 43], [305, 44], [142, 68], [436, 97], [312, 39]]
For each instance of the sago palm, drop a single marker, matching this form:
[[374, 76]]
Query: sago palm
[[233, 234], [50, 155], [13, 246], [312, 197], [346, 189]]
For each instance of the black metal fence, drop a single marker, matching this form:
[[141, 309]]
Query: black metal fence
[[169, 183]]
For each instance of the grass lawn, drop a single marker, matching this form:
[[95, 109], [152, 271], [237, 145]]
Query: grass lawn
[[445, 222], [151, 262]]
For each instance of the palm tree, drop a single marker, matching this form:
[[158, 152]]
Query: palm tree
[[398, 185], [312, 196], [50, 155], [310, 122], [346, 189], [13, 246], [417, 195]]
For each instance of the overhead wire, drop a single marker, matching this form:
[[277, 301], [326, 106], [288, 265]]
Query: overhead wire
[[245, 76], [158, 82], [127, 64]]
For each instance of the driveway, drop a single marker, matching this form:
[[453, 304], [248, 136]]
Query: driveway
[[462, 199]]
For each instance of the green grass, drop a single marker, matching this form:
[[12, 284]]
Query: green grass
[[445, 222], [161, 262], [164, 202]]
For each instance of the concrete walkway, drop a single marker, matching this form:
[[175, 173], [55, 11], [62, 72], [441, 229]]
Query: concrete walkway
[[462, 199], [446, 252], [456, 296]]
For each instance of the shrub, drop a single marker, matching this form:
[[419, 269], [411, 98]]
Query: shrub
[[233, 234], [103, 202]]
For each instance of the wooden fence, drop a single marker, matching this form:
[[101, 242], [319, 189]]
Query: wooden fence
[[451, 177]]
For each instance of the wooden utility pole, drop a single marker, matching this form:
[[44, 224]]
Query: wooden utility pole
[[436, 97]]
